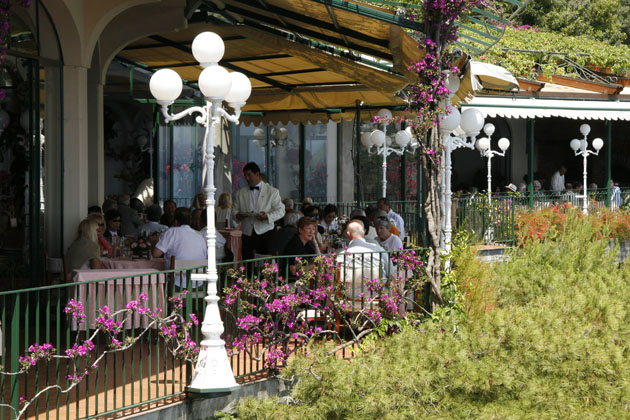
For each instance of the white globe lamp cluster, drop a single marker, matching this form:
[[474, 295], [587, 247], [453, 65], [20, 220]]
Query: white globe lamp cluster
[[213, 372], [460, 130], [378, 142], [279, 136], [580, 148]]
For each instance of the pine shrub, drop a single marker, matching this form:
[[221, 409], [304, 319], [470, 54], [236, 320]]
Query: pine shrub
[[555, 346]]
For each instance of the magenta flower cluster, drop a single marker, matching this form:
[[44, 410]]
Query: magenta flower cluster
[[427, 97], [36, 352], [274, 318]]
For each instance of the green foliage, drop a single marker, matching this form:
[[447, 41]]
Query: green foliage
[[597, 19], [476, 297], [555, 346], [584, 50]]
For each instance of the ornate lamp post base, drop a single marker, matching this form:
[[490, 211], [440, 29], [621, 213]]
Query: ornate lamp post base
[[213, 367]]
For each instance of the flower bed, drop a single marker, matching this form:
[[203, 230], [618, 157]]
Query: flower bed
[[551, 222]]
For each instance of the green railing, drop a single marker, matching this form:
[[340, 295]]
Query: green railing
[[489, 222], [344, 208], [144, 374]]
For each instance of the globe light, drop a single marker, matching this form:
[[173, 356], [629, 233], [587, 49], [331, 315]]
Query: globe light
[[402, 138], [452, 84], [575, 144], [384, 114], [215, 82], [366, 139], [240, 90], [208, 48], [450, 121], [488, 129], [259, 134], [598, 144], [472, 121], [165, 86], [282, 133], [585, 129], [504, 144], [377, 138], [483, 144]]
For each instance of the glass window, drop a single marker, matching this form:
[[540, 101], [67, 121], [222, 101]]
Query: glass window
[[276, 155], [180, 163], [285, 159], [321, 161], [244, 150]]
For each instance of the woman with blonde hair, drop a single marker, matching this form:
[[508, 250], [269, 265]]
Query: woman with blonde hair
[[199, 202], [106, 248], [223, 214], [85, 252]]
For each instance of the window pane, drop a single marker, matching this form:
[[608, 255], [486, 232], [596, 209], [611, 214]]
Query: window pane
[[245, 150], [180, 163], [321, 161], [286, 161]]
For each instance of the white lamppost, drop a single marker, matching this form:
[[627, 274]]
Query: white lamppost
[[468, 124], [213, 372], [483, 145], [377, 142], [580, 149]]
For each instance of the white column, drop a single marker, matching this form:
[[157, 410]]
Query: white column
[[75, 154]]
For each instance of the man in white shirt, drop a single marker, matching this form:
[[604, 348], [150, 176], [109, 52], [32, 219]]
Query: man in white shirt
[[154, 212], [257, 205], [362, 261], [181, 242], [385, 205], [557, 179]]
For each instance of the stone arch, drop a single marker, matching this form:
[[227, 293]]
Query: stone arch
[[133, 25], [70, 37], [101, 14]]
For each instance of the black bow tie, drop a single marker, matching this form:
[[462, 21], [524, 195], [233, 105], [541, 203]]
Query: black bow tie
[[254, 188]]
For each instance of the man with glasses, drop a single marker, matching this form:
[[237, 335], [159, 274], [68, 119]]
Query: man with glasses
[[112, 219]]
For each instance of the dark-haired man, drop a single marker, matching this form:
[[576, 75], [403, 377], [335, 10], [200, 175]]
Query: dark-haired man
[[257, 205], [168, 217]]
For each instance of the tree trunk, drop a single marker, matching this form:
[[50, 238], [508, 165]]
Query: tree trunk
[[433, 210]]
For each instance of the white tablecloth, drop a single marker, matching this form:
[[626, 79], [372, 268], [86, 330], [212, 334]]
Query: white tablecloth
[[117, 293], [153, 264]]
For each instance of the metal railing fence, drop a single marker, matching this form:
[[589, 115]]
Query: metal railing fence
[[146, 373], [489, 222]]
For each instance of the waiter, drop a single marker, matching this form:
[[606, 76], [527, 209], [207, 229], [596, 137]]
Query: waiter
[[257, 206]]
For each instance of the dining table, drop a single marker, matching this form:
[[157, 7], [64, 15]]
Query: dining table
[[117, 264], [234, 239], [115, 288]]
